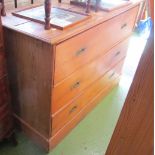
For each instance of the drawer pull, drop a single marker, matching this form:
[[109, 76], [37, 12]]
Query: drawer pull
[[124, 25], [73, 109], [76, 85], [79, 52], [117, 53], [111, 75]]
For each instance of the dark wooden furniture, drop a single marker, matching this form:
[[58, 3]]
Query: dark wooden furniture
[[6, 120], [57, 76]]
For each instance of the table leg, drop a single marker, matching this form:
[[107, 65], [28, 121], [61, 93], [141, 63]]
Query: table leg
[[48, 7], [15, 3], [88, 6], [3, 13]]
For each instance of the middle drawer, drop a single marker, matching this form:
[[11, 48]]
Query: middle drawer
[[79, 80]]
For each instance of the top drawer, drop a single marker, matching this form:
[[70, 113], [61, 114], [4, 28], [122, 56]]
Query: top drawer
[[80, 49]]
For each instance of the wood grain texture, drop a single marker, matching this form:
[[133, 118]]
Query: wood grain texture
[[6, 120], [31, 132], [71, 124], [30, 68], [83, 77], [3, 71], [88, 94], [56, 36], [32, 62], [134, 131], [151, 9], [70, 57], [48, 6]]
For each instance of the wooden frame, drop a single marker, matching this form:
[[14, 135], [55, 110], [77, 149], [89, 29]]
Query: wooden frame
[[80, 17], [48, 8]]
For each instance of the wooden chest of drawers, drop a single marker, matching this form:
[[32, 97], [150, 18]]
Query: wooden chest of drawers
[[57, 77]]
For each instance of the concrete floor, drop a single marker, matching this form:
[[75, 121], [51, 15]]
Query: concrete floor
[[93, 134]]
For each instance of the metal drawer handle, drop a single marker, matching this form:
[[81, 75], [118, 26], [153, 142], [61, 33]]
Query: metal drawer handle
[[79, 52], [111, 75], [124, 25], [76, 85], [73, 109], [117, 53]]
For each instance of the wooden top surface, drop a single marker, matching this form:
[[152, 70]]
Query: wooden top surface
[[54, 35]]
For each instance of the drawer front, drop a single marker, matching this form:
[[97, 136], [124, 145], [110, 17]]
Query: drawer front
[[82, 78], [68, 113], [79, 50], [71, 124], [2, 64]]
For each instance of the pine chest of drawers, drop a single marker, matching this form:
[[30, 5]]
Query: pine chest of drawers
[[57, 77]]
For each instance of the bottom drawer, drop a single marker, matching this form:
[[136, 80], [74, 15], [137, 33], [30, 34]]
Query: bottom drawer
[[71, 124], [68, 113]]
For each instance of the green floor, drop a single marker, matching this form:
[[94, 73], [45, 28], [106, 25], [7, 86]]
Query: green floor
[[92, 135]]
